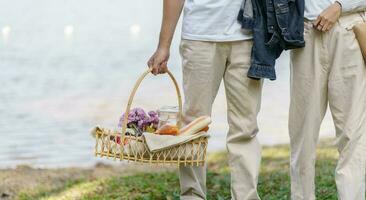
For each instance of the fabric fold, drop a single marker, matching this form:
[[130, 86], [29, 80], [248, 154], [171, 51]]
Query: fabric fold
[[160, 142]]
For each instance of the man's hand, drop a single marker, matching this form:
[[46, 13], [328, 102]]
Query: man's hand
[[328, 17], [171, 12], [158, 61]]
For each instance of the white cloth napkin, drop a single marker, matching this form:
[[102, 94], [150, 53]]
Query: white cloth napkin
[[160, 142]]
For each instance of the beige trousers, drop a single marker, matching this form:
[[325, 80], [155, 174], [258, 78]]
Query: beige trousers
[[330, 69], [205, 65]]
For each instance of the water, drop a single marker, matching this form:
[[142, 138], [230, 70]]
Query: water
[[66, 66]]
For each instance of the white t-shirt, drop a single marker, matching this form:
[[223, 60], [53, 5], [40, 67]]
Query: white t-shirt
[[213, 20], [313, 8]]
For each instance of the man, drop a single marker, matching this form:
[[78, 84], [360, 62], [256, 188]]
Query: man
[[213, 48], [330, 69]]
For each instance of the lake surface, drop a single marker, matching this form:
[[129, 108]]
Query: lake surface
[[66, 66]]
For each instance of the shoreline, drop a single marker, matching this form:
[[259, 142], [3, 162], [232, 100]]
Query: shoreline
[[213, 148]]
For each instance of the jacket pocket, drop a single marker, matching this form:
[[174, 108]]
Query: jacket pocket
[[282, 14]]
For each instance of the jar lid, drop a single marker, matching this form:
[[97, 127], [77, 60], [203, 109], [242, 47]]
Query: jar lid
[[168, 109]]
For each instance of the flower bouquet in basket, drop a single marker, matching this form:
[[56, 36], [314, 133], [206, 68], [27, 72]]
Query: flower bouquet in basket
[[138, 122], [152, 137]]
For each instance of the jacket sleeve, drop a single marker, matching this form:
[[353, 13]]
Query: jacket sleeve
[[246, 15], [353, 5]]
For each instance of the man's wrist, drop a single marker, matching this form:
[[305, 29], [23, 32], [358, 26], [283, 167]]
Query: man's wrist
[[164, 45]]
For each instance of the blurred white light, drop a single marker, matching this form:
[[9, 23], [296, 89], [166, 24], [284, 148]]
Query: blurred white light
[[6, 31], [68, 30], [135, 29]]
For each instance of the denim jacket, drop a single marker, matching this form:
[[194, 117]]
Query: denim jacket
[[277, 25]]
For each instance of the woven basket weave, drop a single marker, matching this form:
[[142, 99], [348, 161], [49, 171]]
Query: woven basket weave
[[116, 145]]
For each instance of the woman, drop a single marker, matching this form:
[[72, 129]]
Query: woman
[[330, 69]]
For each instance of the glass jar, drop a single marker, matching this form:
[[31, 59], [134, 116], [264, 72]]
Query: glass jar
[[168, 115]]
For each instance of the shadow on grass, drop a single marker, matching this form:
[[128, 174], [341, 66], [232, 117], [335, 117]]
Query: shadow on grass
[[44, 191]]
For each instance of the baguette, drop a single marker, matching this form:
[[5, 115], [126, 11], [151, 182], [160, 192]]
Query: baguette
[[197, 125]]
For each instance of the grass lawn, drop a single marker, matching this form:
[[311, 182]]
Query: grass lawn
[[273, 183]]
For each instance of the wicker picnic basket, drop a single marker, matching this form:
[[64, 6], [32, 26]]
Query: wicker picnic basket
[[117, 145]]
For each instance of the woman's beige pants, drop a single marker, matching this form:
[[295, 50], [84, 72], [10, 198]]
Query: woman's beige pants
[[330, 69], [205, 65]]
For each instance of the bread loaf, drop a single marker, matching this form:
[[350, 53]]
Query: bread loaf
[[197, 125], [168, 129]]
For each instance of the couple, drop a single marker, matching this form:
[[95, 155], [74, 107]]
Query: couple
[[329, 69]]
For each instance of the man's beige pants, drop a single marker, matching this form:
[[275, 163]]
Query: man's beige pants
[[205, 65], [330, 69]]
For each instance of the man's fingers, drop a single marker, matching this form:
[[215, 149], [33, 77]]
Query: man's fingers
[[163, 67], [150, 63], [158, 62], [155, 68]]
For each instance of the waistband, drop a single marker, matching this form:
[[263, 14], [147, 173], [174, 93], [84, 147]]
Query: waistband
[[352, 16]]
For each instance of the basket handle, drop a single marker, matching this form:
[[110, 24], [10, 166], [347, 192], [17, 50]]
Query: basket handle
[[137, 84]]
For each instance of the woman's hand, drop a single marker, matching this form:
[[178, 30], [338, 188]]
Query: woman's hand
[[158, 61], [328, 17]]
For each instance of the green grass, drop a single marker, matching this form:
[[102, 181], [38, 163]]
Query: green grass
[[273, 183]]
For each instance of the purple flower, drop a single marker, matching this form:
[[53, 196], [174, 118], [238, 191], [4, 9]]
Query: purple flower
[[139, 119], [153, 113], [154, 118]]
